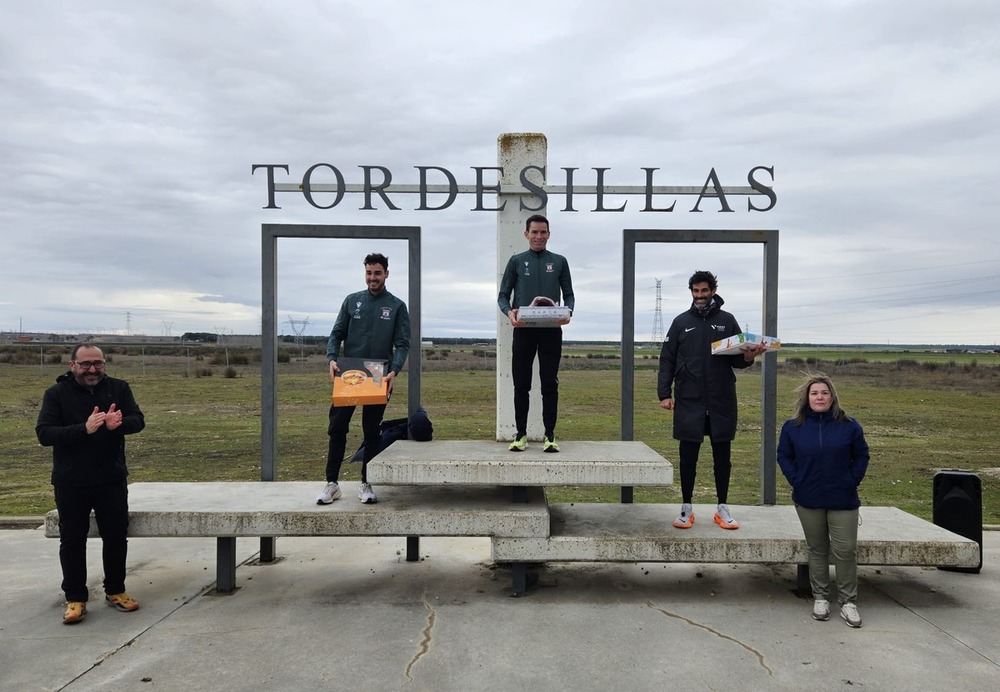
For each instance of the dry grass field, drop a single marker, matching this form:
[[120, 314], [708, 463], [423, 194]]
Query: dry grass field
[[922, 412]]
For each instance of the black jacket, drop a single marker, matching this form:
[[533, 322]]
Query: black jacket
[[699, 382], [79, 459]]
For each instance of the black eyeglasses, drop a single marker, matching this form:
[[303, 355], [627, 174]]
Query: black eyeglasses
[[88, 364]]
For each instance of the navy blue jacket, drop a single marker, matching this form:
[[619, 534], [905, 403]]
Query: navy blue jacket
[[824, 460], [79, 459]]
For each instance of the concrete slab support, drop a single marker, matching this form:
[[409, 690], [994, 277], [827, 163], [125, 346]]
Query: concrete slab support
[[268, 549], [518, 578], [515, 151], [225, 564], [802, 580]]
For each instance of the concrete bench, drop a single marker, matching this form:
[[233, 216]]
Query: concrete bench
[[463, 488], [590, 532], [226, 511]]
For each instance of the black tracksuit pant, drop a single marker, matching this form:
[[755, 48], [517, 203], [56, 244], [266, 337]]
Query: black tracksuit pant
[[546, 343]]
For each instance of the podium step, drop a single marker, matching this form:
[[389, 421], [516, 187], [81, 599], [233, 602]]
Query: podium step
[[592, 532], [253, 509], [463, 462]]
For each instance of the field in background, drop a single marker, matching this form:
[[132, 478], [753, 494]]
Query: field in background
[[922, 411]]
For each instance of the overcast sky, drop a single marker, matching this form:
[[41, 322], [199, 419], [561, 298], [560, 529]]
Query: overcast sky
[[129, 130]]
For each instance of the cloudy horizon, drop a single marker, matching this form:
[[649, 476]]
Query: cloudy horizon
[[129, 133]]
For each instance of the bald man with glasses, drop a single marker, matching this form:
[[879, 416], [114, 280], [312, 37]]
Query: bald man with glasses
[[85, 417]]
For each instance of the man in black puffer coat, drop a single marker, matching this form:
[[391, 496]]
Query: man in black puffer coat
[[85, 417], [701, 391]]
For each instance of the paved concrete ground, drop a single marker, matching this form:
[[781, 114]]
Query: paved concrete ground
[[349, 613]]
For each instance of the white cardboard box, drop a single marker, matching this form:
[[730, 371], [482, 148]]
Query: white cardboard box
[[735, 344], [543, 315]]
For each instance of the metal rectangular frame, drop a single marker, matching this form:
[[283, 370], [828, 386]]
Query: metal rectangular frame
[[270, 232], [769, 383]]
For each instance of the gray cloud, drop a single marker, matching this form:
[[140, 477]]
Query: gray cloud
[[129, 133]]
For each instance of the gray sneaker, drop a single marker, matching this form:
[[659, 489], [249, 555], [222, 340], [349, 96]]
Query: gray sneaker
[[686, 518], [367, 495], [724, 518], [849, 612], [821, 609], [330, 493]]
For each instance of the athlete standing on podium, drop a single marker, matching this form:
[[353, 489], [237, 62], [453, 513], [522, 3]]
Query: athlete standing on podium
[[700, 389], [536, 273]]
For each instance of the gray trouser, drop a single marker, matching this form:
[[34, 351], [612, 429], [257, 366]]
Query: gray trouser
[[832, 531]]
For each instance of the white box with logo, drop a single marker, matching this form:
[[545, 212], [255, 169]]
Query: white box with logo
[[737, 343]]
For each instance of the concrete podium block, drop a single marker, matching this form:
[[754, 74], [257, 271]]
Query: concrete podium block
[[271, 509], [463, 462], [590, 532]]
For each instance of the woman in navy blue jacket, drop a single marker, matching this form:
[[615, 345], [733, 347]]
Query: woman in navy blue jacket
[[823, 454]]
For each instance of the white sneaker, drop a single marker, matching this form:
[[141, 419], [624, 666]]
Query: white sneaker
[[330, 493], [821, 609], [367, 495], [849, 612], [686, 518], [724, 518]]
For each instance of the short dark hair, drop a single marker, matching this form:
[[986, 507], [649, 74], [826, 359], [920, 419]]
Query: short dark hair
[[703, 277], [86, 344], [535, 218], [377, 258]]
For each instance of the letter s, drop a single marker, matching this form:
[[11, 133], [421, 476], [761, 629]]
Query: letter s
[[761, 188]]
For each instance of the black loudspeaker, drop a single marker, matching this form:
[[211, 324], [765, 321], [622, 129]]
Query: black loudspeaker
[[958, 507]]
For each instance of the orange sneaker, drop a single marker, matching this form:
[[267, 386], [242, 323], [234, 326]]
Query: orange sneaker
[[75, 611], [122, 601], [724, 519], [686, 519]]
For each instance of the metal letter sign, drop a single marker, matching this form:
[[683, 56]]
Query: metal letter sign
[[377, 181]]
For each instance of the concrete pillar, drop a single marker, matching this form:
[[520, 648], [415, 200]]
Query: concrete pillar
[[515, 151]]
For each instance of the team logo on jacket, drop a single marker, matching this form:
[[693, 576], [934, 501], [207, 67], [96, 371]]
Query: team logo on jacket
[[386, 313], [357, 310], [719, 327], [527, 272], [548, 268]]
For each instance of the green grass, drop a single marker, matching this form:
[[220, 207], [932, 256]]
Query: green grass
[[919, 417]]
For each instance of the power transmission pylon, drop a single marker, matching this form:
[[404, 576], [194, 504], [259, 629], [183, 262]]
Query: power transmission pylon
[[658, 316], [298, 328]]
